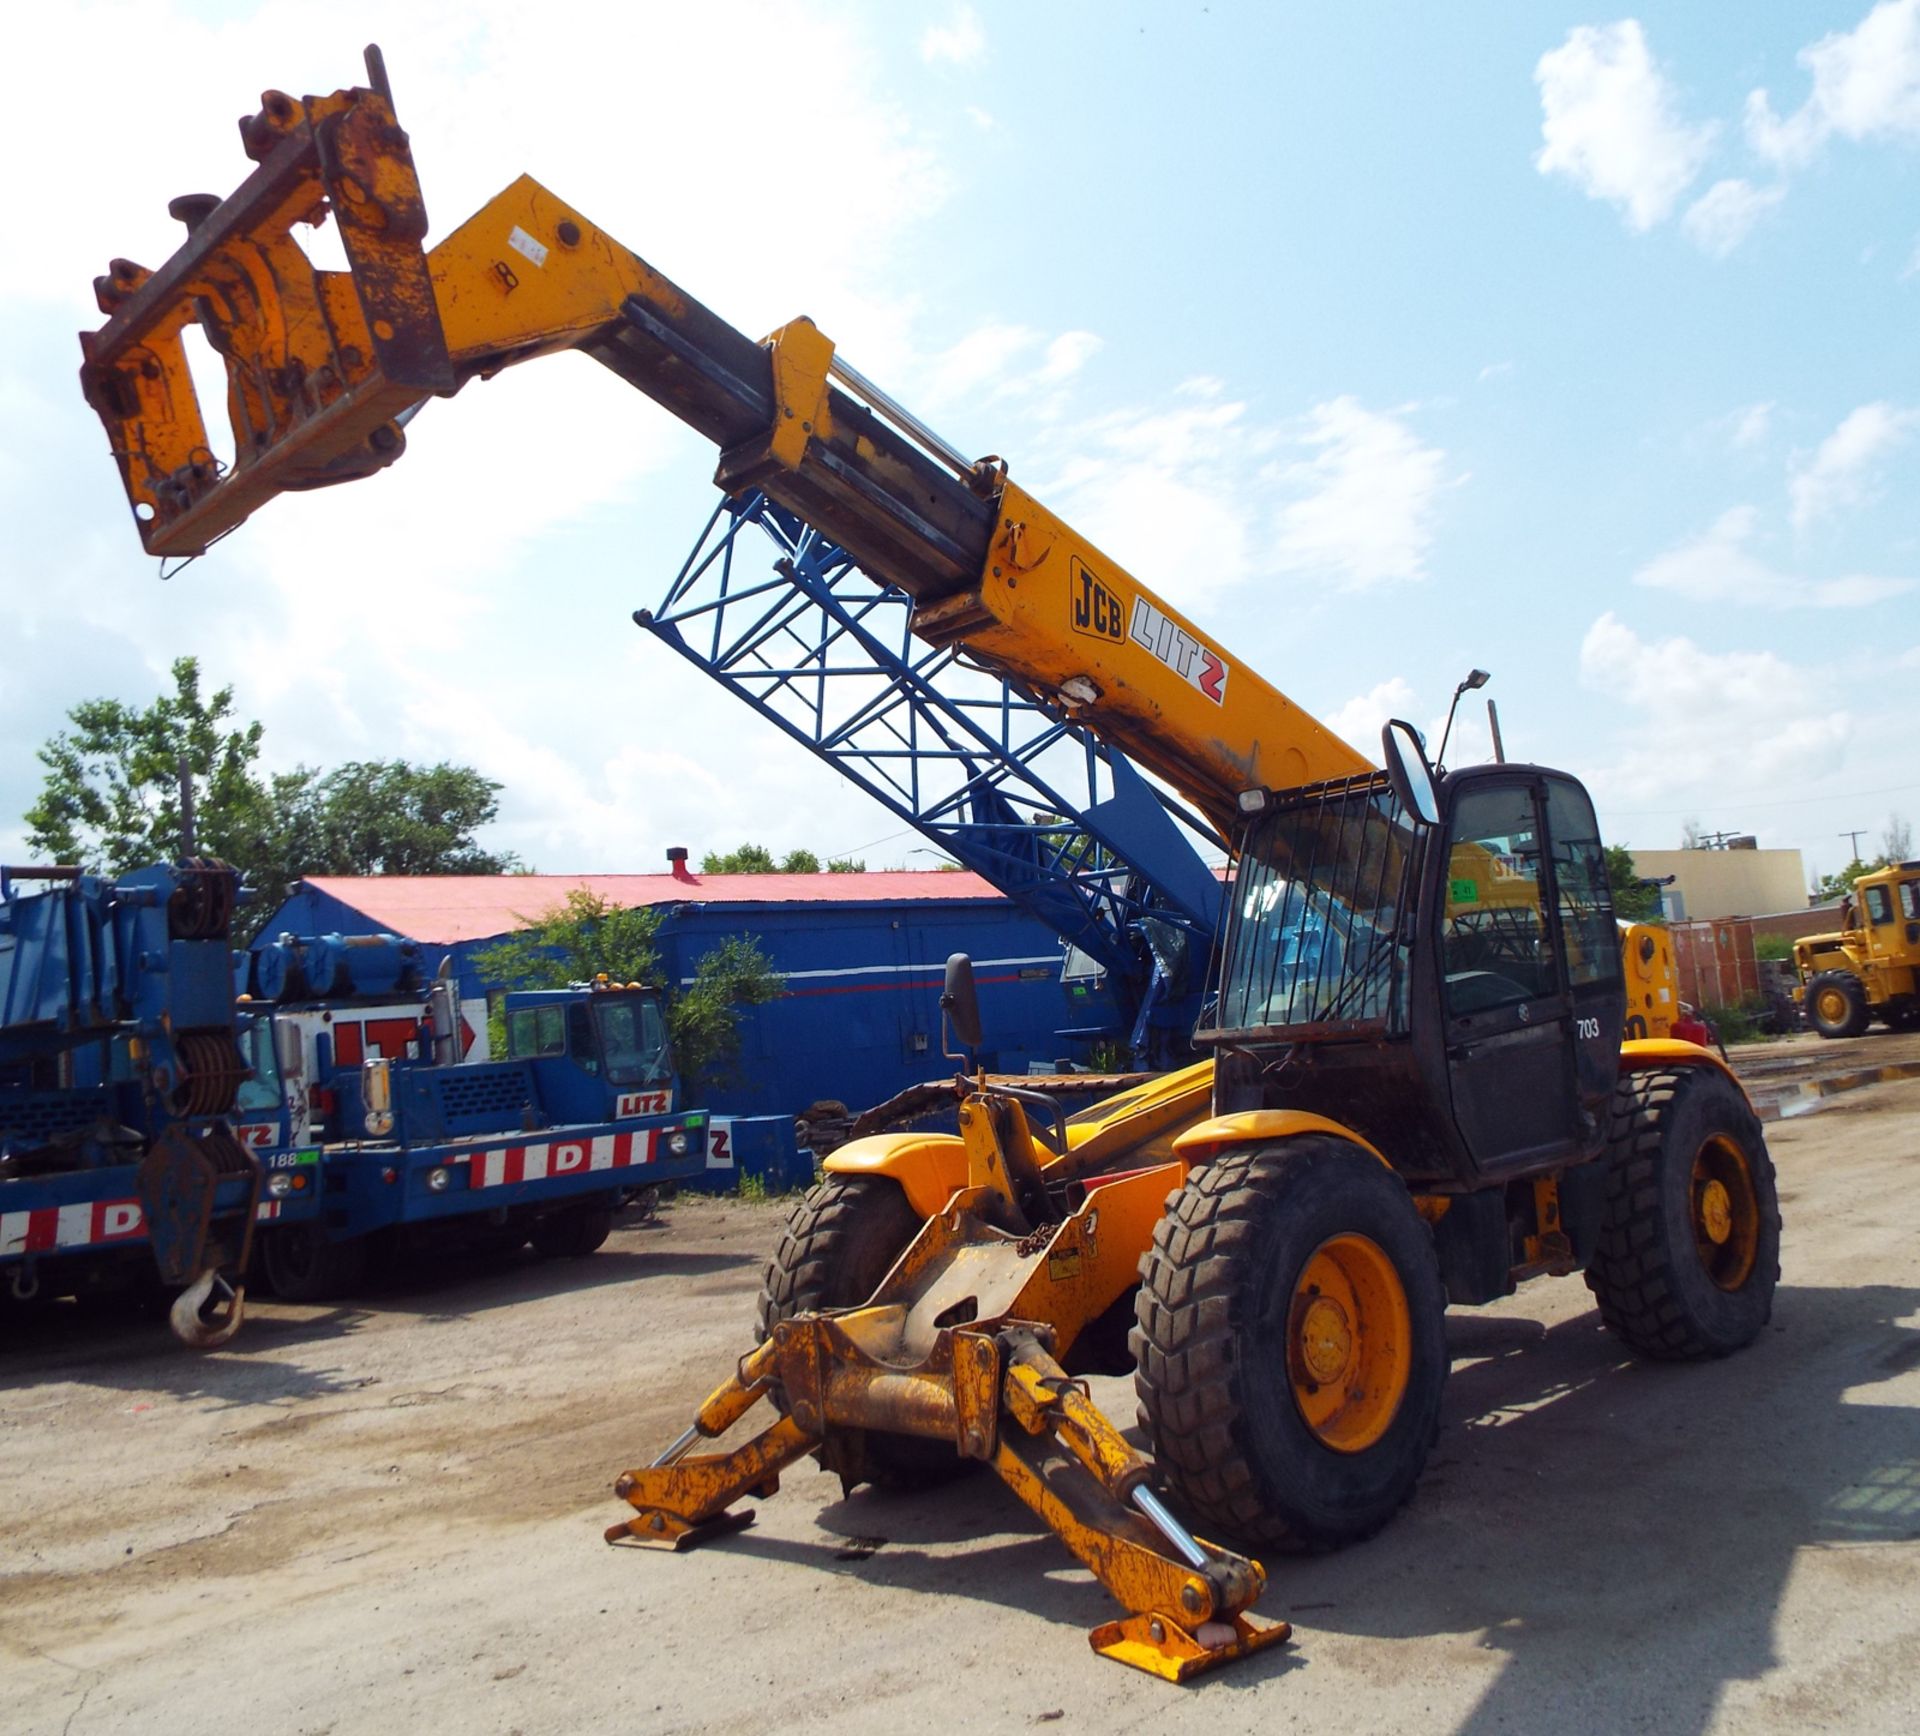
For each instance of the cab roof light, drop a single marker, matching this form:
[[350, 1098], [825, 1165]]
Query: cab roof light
[[1254, 801]]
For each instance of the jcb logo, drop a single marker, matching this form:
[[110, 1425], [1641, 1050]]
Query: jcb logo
[[1097, 612]]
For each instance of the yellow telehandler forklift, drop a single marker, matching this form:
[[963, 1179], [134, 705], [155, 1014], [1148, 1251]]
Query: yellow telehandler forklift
[[1422, 1088], [1870, 968]]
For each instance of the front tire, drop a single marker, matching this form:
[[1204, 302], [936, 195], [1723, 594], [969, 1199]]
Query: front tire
[[1689, 1249], [304, 1265], [1837, 1004], [841, 1239], [1290, 1348], [573, 1232]]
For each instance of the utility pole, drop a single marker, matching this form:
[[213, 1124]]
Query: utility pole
[[1854, 839]]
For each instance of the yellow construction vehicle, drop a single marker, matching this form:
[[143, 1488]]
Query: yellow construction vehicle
[[1870, 968], [1422, 1088]]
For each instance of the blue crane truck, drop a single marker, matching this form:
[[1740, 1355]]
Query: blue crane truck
[[394, 1119], [119, 1076], [156, 1131]]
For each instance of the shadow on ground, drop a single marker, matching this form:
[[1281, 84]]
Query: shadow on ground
[[1617, 1534]]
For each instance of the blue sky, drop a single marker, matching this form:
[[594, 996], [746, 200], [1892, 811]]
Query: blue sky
[[1386, 339]]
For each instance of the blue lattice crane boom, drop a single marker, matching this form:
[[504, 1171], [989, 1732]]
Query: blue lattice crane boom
[[992, 773]]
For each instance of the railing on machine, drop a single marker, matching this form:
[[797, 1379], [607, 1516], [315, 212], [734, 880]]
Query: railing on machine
[[1058, 820]]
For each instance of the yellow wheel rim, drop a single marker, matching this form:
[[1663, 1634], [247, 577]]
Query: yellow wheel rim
[[1833, 1008], [1725, 1212], [1349, 1334]]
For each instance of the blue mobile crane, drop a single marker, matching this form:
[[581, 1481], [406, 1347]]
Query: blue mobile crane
[[119, 1086], [398, 1121]]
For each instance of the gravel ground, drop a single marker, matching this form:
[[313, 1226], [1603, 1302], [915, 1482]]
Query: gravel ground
[[387, 1516]]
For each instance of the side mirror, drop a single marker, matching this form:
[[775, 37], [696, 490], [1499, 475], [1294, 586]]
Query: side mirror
[[959, 1001], [1409, 771], [289, 1051], [376, 1095]]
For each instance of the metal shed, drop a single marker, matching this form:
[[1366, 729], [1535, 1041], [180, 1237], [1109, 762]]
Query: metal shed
[[862, 955]]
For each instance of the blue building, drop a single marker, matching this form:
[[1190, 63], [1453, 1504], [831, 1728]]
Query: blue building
[[862, 955]]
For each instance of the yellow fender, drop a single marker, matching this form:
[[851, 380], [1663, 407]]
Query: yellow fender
[[930, 1167], [1642, 1054], [1209, 1138]]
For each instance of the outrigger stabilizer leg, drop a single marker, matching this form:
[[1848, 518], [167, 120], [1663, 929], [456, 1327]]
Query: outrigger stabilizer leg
[[994, 1391]]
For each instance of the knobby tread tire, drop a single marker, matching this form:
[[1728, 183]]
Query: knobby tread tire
[[1652, 1291], [1211, 1375], [1859, 1014], [840, 1240]]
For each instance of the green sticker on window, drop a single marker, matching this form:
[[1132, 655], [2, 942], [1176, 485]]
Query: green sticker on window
[[1462, 892]]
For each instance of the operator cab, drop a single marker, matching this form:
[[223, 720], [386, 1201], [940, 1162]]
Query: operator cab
[[1433, 963], [595, 1048]]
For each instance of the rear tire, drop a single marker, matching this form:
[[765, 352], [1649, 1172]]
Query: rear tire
[[841, 1239], [573, 1232], [1837, 1004], [1689, 1249], [1290, 1348], [304, 1265]]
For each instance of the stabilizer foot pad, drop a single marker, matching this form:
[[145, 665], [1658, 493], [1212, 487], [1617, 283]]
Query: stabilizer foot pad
[[676, 1534]]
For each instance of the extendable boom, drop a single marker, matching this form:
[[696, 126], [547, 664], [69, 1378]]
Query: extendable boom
[[324, 369]]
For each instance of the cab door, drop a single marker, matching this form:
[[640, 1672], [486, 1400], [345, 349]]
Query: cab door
[[1504, 992]]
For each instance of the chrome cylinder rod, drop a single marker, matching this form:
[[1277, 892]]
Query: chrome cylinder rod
[[901, 417], [1170, 1528]]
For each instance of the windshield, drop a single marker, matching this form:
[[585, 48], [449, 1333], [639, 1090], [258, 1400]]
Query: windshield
[[633, 1037], [262, 1091], [1314, 929]]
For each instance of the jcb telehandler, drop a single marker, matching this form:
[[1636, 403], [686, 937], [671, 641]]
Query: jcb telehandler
[[1421, 1092]]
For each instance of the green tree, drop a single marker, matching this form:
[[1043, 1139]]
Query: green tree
[[1839, 885], [110, 800], [748, 859], [846, 865], [1633, 900], [387, 817], [799, 862], [704, 1016], [586, 935]]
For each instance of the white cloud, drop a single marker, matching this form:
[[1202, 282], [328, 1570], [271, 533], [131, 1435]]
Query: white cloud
[[1494, 371], [1358, 722], [1719, 568], [979, 359], [1723, 216], [960, 43], [1843, 471], [1750, 720], [1866, 87], [1610, 122], [1364, 503], [1067, 355], [1749, 427]]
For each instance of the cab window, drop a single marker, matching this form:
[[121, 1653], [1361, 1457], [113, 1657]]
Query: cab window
[[1587, 929], [262, 1091], [533, 1032], [1910, 900], [633, 1037], [1879, 905], [1494, 951]]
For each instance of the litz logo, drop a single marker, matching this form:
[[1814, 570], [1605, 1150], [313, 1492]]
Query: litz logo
[[643, 1103], [1192, 661], [1097, 612]]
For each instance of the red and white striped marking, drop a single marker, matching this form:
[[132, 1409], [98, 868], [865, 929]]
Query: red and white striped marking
[[563, 1157], [49, 1229], [87, 1224]]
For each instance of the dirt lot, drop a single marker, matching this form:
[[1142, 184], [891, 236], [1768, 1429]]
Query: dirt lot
[[387, 1517]]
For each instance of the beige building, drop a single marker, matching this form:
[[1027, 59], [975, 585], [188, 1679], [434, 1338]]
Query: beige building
[[1710, 883]]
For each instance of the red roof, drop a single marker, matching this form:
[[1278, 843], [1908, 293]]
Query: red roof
[[439, 909]]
